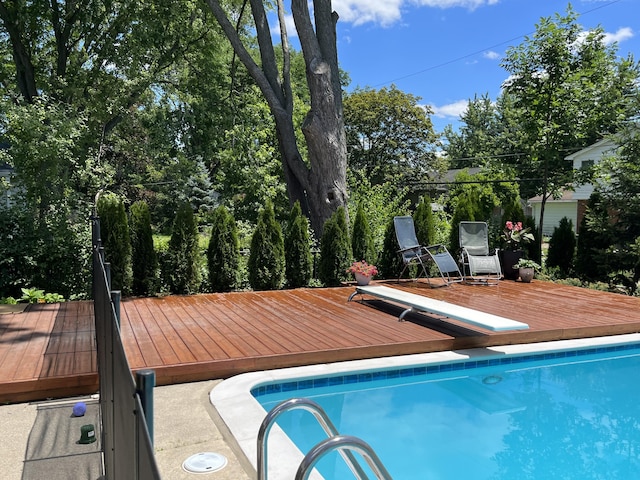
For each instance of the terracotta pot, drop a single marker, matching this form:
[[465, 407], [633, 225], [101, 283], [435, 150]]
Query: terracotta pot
[[526, 274], [362, 279]]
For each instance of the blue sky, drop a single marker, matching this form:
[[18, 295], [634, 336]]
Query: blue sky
[[446, 51]]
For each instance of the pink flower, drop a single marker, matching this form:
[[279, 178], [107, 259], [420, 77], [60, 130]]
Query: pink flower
[[363, 268]]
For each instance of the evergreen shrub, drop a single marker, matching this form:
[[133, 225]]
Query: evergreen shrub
[[223, 252], [424, 222], [266, 258], [183, 261], [298, 258], [361, 238], [562, 247], [389, 262], [114, 233], [335, 250], [144, 261]]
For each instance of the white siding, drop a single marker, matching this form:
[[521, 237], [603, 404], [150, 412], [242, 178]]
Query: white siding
[[553, 213]]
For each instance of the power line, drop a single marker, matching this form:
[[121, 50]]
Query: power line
[[477, 52]]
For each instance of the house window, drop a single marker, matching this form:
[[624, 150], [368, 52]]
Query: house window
[[586, 164]]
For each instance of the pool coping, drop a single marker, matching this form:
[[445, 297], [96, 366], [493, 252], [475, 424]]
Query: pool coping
[[243, 414]]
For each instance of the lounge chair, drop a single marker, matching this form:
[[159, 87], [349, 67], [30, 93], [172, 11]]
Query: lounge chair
[[412, 253], [479, 265]]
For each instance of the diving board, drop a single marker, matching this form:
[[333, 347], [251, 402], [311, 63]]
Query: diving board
[[419, 303]]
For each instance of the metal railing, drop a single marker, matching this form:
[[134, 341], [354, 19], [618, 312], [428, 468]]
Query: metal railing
[[344, 444], [127, 445]]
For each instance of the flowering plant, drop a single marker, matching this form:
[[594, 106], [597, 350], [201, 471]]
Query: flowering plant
[[363, 268], [513, 235]]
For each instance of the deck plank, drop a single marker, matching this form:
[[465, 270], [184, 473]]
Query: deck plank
[[50, 350]]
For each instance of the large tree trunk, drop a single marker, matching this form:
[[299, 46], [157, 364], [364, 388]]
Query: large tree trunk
[[321, 187]]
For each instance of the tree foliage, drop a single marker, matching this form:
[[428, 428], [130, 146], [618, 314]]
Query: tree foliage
[[319, 181], [267, 258], [390, 136], [566, 89]]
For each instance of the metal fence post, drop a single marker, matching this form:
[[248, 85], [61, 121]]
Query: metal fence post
[[145, 381]]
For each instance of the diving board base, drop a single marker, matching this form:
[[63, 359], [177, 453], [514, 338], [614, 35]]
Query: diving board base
[[418, 303]]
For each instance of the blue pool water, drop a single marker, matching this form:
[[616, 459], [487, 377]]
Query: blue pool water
[[564, 415]]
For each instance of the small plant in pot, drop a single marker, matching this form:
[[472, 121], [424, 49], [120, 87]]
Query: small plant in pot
[[526, 269]]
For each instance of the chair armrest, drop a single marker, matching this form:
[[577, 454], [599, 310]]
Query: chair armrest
[[415, 247]]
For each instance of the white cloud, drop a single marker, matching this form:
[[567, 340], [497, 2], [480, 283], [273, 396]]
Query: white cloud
[[491, 55], [388, 12], [289, 25], [621, 35], [358, 12], [451, 110]]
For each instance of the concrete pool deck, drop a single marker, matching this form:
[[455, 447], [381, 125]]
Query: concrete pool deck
[[184, 425], [243, 414]]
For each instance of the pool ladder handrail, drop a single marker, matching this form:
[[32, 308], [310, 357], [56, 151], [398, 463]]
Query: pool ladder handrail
[[343, 443]]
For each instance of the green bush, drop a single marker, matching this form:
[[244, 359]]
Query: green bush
[[424, 222], [114, 232], [223, 252], [183, 261], [361, 239], [144, 261], [266, 258], [389, 262], [335, 250], [562, 246], [596, 236], [466, 209], [297, 242]]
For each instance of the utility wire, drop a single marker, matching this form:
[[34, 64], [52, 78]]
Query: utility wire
[[477, 52]]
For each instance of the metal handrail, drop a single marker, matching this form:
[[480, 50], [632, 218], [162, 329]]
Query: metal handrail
[[323, 420], [342, 443]]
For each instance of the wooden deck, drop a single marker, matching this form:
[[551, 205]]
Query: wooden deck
[[49, 350]]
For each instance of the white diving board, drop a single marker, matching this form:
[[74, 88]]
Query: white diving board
[[418, 303]]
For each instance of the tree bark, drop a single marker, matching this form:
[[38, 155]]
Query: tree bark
[[321, 186]]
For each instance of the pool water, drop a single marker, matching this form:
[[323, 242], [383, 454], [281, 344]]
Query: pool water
[[570, 416]]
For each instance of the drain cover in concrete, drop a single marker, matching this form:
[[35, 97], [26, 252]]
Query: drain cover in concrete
[[205, 462]]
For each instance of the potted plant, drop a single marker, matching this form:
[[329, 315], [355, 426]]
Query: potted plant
[[526, 269], [514, 235], [362, 271]]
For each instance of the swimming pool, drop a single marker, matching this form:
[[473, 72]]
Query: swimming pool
[[505, 414]]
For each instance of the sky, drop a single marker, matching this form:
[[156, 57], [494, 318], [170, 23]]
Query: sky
[[448, 51]]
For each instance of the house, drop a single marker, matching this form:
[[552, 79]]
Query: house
[[5, 179], [573, 202]]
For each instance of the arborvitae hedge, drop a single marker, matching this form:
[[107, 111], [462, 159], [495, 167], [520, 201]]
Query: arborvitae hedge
[[335, 250], [184, 276], [298, 259], [114, 232], [361, 238], [144, 261], [596, 236], [465, 210], [562, 246], [223, 253], [389, 261], [266, 259], [424, 223]]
